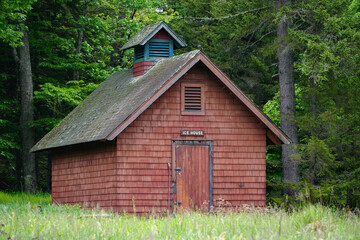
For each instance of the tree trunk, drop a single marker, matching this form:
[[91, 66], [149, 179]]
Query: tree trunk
[[290, 167], [26, 114], [312, 160], [79, 40]]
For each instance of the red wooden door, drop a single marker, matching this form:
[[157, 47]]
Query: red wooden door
[[192, 181]]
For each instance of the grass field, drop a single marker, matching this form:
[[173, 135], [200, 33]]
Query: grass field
[[24, 216]]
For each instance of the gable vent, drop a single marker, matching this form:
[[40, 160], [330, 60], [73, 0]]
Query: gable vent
[[159, 49], [192, 98]]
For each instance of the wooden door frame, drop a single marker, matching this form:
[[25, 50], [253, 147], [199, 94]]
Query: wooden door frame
[[195, 142]]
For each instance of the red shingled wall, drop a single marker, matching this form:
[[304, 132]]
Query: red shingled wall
[[239, 144], [85, 174], [132, 169]]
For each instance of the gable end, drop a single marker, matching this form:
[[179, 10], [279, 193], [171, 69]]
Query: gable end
[[276, 135]]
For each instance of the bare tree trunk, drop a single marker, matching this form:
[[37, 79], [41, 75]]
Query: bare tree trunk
[[80, 39], [290, 167], [22, 57]]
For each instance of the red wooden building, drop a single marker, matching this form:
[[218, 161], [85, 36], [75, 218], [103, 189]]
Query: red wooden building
[[174, 130]]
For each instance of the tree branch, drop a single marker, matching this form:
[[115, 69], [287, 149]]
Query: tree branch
[[247, 46], [209, 3], [133, 12], [228, 16]]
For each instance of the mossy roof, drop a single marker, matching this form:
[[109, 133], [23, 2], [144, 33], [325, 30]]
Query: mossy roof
[[121, 98], [147, 32], [111, 103]]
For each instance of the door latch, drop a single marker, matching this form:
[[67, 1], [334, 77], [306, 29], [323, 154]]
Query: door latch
[[178, 170]]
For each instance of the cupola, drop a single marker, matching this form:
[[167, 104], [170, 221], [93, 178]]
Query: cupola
[[151, 44]]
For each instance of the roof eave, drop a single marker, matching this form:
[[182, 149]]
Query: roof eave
[[35, 148]]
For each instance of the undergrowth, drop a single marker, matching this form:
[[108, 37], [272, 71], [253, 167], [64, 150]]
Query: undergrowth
[[34, 217]]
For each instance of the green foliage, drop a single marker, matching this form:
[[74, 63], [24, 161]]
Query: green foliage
[[325, 38], [8, 129], [317, 154], [12, 17], [60, 100]]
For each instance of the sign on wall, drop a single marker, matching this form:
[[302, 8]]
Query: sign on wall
[[192, 133]]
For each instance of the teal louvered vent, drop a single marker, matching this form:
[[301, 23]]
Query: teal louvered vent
[[154, 50], [139, 53], [159, 48]]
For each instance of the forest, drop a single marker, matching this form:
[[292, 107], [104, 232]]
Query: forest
[[299, 61]]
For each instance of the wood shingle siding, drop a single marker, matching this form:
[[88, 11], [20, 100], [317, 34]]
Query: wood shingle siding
[[144, 148], [85, 174]]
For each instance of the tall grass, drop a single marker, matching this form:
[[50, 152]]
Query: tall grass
[[25, 220], [20, 197]]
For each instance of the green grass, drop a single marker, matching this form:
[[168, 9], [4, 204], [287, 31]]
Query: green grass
[[21, 218], [40, 198]]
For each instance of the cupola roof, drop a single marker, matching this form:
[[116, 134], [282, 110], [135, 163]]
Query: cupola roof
[[149, 31]]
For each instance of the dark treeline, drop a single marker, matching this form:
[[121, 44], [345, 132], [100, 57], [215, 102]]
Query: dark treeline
[[74, 45]]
